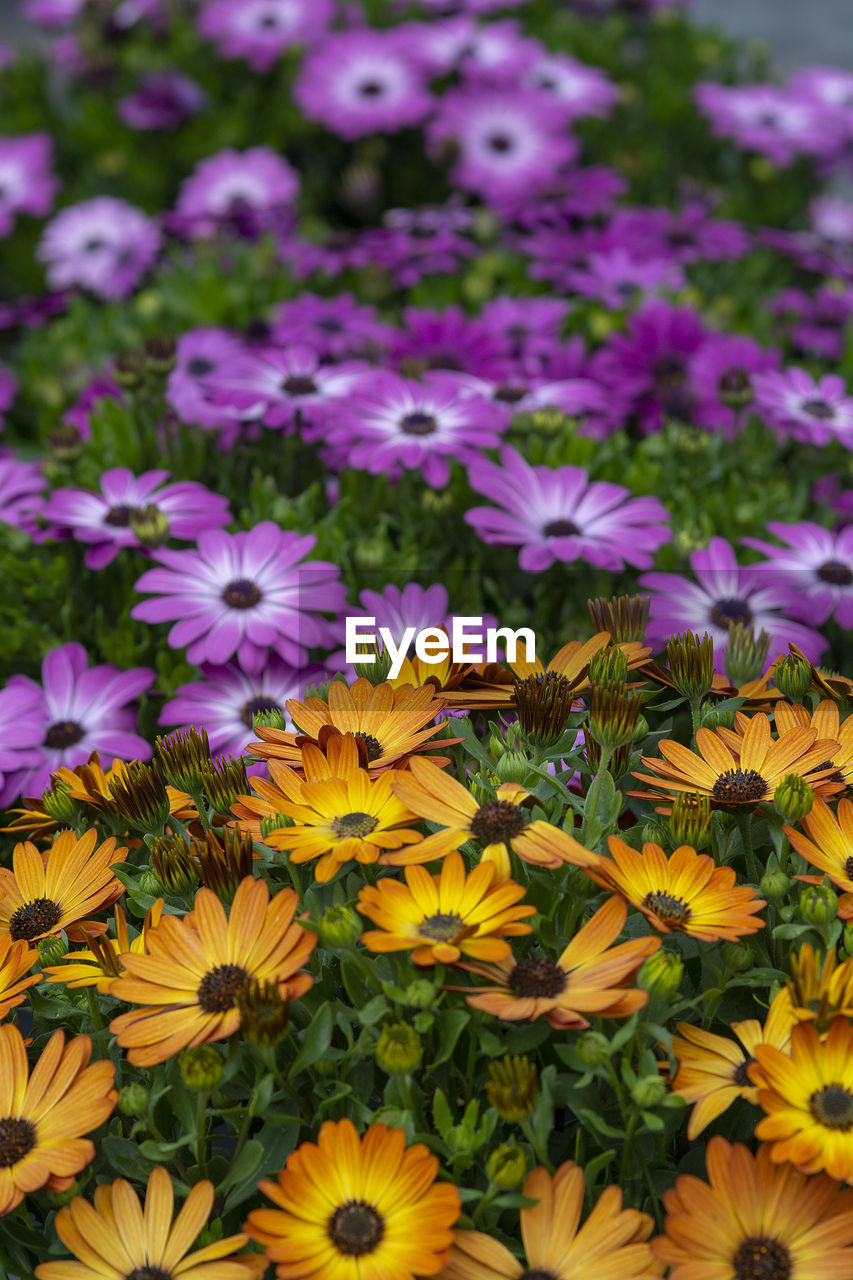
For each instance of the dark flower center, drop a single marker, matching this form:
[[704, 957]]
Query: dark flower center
[[329, 324], [198, 367], [442, 927], [833, 1106], [241, 594], [255, 706], [537, 1273], [269, 20], [848, 868], [537, 977], [836, 572], [725, 612], [736, 379], [34, 918], [94, 244], [148, 1273], [418, 424], [218, 988], [371, 89], [560, 529], [500, 142], [374, 746], [17, 1139], [760, 1258], [670, 372], [667, 908], [355, 1228], [681, 238], [510, 395], [299, 385], [740, 1075], [497, 820], [65, 733], [737, 786], [818, 409], [355, 825], [119, 517]]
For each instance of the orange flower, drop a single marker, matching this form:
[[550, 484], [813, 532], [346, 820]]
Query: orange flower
[[101, 964], [41, 899], [830, 846], [16, 960]]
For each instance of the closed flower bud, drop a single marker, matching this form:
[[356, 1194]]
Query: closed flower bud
[[420, 994], [625, 617], [619, 760], [274, 822], [133, 1100], [735, 389], [613, 715], [513, 767], [592, 1048], [847, 939], [513, 1087], [172, 864], [270, 718], [506, 1167], [544, 704], [223, 781], [264, 1014], [222, 862], [460, 1141], [378, 670], [690, 820], [139, 795], [128, 368], [691, 664], [436, 501], [794, 798], [52, 950], [774, 884], [654, 831], [818, 904], [201, 1068], [423, 1022], [399, 1049], [149, 883], [608, 667], [792, 677], [183, 757], [59, 804], [649, 1091], [339, 927], [159, 353], [661, 974], [151, 526], [718, 719], [548, 421], [746, 653], [497, 745], [737, 956]]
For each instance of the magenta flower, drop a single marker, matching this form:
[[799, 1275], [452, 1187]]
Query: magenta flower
[[828, 87], [414, 243], [21, 737], [79, 414], [280, 388], [104, 245], [227, 698], [164, 100], [774, 122], [560, 514], [362, 81], [617, 280], [22, 486], [338, 328], [449, 339], [580, 90], [507, 141], [725, 592], [817, 565], [77, 709], [689, 234], [200, 354], [721, 374], [528, 329], [243, 594], [260, 30], [815, 324], [103, 519], [812, 410], [388, 422], [246, 192], [26, 182]]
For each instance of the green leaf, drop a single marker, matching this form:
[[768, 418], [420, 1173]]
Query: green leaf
[[449, 1026], [316, 1041], [441, 1114]]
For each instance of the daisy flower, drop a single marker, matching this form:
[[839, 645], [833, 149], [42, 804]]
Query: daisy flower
[[104, 245], [559, 514], [42, 896], [338, 328], [199, 354], [260, 30], [26, 182], [817, 564], [100, 965], [812, 410], [721, 374], [163, 101], [580, 90], [241, 191], [284, 388], [828, 841], [774, 122], [16, 960], [243, 594]]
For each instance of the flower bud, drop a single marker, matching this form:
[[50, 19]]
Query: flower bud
[[625, 617], [58, 1199], [735, 388], [182, 757], [274, 822], [159, 353], [399, 1049], [201, 1068], [794, 798], [746, 653], [172, 865], [58, 804], [52, 950], [264, 1013], [649, 1091], [608, 667], [547, 421], [774, 884], [151, 526], [847, 939], [420, 994], [139, 795], [654, 832], [718, 719], [737, 956], [513, 1087], [613, 715], [660, 974], [133, 1100], [423, 1022], [340, 927], [818, 904], [269, 718], [506, 1167], [792, 676], [223, 781], [378, 670], [128, 368], [544, 704], [512, 767], [222, 862], [690, 820], [592, 1048], [691, 664]]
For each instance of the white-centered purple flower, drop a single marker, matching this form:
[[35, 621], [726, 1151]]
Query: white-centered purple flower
[[581, 90], [812, 410], [817, 564], [26, 182], [774, 122], [560, 514], [505, 141], [22, 486], [449, 339], [162, 101], [281, 387], [243, 594], [105, 520], [814, 323], [829, 87], [723, 593], [388, 422], [77, 709], [339, 328], [261, 30], [199, 354], [721, 375], [617, 279], [244, 192], [361, 82], [104, 245]]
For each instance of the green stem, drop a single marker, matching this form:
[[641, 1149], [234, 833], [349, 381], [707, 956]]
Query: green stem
[[753, 870], [200, 1141], [594, 792], [696, 716], [485, 1201], [538, 1150]]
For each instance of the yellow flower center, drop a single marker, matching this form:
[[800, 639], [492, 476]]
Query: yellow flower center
[[759, 1258], [667, 908], [354, 825], [34, 918], [833, 1106], [738, 786], [218, 988], [373, 745], [497, 820], [442, 927], [17, 1139], [537, 977], [355, 1228]]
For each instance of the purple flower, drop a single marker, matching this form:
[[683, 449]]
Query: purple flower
[[507, 141], [77, 709], [721, 374], [21, 736], [774, 122], [650, 364], [243, 594], [815, 324], [725, 592], [817, 566], [104, 519], [245, 192], [828, 87], [22, 485], [260, 30], [415, 243], [280, 387], [225, 701], [581, 90], [812, 410], [337, 328], [200, 354], [26, 183], [79, 414], [559, 514], [528, 329], [826, 247], [616, 279], [494, 53], [388, 422], [361, 82], [578, 398], [164, 100], [52, 13], [104, 245], [590, 192], [448, 339], [689, 234]]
